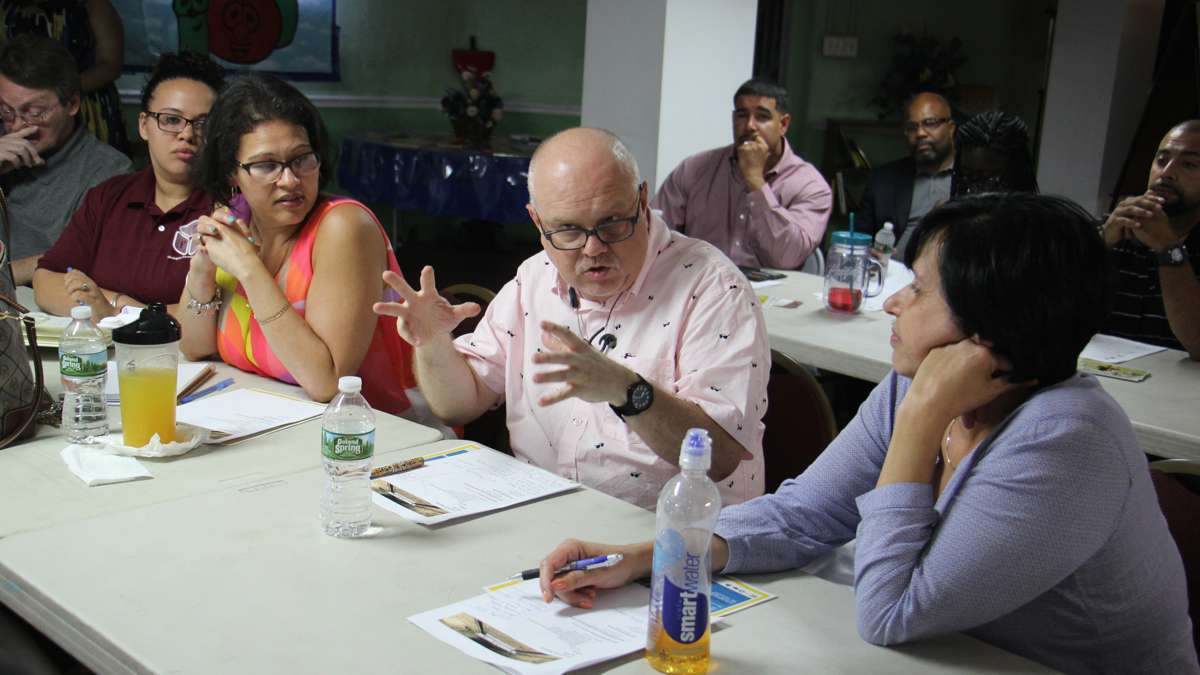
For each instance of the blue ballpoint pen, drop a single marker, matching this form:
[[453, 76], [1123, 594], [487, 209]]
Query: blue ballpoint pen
[[585, 564], [205, 392]]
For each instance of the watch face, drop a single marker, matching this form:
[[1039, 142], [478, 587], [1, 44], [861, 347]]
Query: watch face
[[641, 396], [1176, 254]]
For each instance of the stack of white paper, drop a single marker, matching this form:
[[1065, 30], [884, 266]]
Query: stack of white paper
[[234, 415]]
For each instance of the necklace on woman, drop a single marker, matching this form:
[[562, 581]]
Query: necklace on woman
[[946, 445]]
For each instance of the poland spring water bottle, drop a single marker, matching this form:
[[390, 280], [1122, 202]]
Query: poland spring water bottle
[[681, 584], [884, 246], [83, 364], [347, 443]]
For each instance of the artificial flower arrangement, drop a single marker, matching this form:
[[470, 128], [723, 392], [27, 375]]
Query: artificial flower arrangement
[[473, 107]]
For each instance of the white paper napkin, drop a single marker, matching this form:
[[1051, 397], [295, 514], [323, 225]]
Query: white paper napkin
[[94, 466], [187, 438]]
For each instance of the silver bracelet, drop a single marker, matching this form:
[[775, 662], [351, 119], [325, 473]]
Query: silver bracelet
[[199, 308]]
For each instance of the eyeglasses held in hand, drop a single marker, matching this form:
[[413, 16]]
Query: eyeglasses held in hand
[[269, 171]]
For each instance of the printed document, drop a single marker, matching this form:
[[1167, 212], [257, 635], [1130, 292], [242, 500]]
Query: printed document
[[514, 630], [464, 481], [1112, 349], [234, 415]]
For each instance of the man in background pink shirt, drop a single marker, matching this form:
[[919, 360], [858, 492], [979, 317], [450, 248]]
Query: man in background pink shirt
[[755, 200], [609, 344]]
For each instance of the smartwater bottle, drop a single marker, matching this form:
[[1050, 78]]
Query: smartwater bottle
[[884, 246], [681, 585], [83, 365], [347, 444]]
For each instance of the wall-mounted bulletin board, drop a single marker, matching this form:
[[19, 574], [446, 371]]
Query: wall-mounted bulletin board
[[293, 38]]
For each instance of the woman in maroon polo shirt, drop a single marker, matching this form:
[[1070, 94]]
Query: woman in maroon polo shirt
[[123, 246]]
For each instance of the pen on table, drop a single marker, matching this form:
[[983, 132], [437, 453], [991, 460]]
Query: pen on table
[[585, 564], [398, 467], [205, 392]]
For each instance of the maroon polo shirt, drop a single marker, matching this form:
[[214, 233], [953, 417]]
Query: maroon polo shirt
[[125, 243]]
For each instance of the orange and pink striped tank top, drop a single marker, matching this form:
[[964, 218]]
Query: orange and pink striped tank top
[[386, 371]]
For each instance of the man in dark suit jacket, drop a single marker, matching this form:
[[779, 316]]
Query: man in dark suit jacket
[[903, 191]]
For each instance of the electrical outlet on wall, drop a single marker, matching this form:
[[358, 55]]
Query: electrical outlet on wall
[[840, 46]]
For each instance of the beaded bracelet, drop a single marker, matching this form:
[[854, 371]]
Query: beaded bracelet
[[198, 307], [276, 315]]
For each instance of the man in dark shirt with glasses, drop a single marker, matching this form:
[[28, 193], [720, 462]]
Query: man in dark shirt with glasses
[[903, 191]]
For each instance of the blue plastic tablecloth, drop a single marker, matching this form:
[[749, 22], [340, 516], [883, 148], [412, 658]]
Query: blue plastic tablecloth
[[432, 175]]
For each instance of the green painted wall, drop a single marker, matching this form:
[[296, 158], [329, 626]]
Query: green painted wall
[[402, 48]]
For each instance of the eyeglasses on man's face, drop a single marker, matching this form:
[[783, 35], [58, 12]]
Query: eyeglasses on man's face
[[269, 171], [174, 123], [928, 124], [574, 237], [34, 115]]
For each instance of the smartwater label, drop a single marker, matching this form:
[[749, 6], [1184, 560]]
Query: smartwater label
[[685, 608], [347, 447], [83, 365]]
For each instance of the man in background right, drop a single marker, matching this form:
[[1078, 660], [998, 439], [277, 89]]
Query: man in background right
[[1156, 249], [903, 191]]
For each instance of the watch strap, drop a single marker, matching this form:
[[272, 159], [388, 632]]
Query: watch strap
[[1172, 256]]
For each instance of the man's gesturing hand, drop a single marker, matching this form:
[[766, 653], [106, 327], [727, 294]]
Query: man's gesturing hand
[[424, 315], [587, 374]]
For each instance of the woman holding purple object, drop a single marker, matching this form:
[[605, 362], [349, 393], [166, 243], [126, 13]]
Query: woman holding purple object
[[988, 487], [129, 243]]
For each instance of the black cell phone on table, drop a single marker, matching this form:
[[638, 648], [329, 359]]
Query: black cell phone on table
[[759, 274]]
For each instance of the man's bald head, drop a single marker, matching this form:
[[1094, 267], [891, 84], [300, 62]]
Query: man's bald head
[[579, 154], [1175, 172], [926, 98]]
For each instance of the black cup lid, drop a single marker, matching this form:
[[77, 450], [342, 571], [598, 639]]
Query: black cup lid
[[153, 327]]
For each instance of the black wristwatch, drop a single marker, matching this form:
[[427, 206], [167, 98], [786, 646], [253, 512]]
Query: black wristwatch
[[1172, 256], [638, 399]]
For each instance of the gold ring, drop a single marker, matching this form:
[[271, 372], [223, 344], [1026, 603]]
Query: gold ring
[[85, 287]]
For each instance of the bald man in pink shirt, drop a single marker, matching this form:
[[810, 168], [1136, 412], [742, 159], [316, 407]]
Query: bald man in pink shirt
[[756, 200], [610, 343]]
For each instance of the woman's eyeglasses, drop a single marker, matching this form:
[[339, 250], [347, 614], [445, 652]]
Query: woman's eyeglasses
[[174, 123], [269, 171]]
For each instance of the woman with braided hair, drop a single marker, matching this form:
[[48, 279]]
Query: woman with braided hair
[[993, 155]]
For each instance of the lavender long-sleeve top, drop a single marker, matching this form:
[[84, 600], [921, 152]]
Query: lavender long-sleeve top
[[1048, 541]]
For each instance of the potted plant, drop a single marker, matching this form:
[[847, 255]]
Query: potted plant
[[919, 64]]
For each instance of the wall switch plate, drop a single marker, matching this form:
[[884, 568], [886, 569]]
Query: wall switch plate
[[840, 46]]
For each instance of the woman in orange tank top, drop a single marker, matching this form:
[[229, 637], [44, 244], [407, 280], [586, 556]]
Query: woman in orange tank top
[[284, 280]]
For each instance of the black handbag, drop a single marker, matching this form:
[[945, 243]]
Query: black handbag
[[22, 393]]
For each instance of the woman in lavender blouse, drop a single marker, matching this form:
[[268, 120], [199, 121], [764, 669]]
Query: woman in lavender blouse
[[989, 488]]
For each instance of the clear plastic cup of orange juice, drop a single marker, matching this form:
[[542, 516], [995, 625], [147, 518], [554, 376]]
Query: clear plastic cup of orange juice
[[147, 370]]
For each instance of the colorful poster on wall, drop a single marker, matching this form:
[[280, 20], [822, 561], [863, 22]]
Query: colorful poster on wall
[[293, 38]]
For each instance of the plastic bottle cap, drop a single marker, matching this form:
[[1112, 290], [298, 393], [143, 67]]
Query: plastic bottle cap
[[696, 451], [81, 312], [888, 226], [153, 327], [851, 239], [350, 384]]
